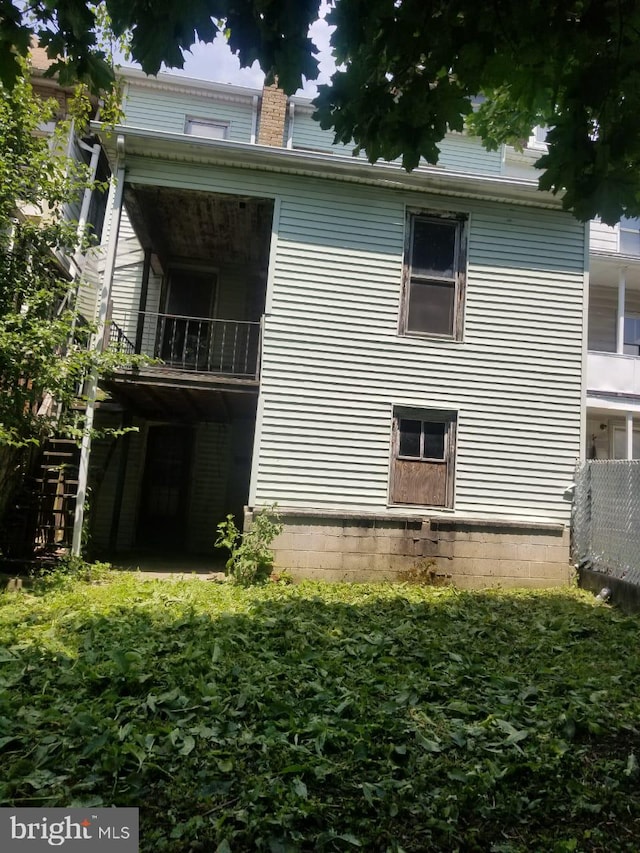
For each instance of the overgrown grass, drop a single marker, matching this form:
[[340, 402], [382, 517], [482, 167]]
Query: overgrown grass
[[326, 717]]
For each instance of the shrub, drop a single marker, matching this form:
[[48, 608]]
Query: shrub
[[250, 557]]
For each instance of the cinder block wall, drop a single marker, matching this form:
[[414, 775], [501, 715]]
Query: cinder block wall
[[467, 553]]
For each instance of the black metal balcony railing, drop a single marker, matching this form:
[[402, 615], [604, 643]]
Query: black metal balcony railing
[[224, 347], [119, 341]]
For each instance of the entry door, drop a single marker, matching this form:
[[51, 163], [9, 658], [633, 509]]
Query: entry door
[[164, 498], [186, 328]]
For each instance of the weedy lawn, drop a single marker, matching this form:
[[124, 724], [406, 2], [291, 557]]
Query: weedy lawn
[[326, 717]]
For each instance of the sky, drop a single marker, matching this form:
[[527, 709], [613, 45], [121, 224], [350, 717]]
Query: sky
[[215, 61]]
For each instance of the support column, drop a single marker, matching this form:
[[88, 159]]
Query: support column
[[629, 420], [114, 209], [142, 308], [621, 305]]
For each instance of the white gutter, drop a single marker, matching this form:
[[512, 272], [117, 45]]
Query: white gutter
[[145, 142], [292, 114], [254, 119]]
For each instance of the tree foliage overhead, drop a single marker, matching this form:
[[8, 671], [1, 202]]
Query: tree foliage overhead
[[412, 66], [407, 71]]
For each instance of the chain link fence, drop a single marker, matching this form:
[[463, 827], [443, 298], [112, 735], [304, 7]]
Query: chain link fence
[[606, 518]]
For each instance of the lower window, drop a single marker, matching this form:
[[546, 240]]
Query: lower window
[[423, 456]]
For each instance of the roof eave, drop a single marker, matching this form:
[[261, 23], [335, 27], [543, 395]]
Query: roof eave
[[176, 146]]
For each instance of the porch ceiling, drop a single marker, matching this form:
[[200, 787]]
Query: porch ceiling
[[190, 225], [186, 401], [605, 270]]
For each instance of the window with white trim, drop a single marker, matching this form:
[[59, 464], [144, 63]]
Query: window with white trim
[[423, 457], [629, 236], [207, 128], [631, 334], [434, 275]]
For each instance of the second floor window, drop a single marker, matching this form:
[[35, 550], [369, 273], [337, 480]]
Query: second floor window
[[208, 128], [434, 280]]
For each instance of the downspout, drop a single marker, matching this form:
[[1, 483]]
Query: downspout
[[254, 119], [116, 192], [292, 110], [142, 308]]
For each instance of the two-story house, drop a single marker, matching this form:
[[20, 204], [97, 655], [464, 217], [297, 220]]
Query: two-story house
[[396, 360]]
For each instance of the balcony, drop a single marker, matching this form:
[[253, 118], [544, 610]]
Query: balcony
[[223, 348], [207, 369], [613, 373]]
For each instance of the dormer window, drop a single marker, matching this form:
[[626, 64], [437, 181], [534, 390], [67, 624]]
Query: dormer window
[[207, 128]]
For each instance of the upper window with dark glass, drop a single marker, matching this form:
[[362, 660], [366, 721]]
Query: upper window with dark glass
[[433, 277]]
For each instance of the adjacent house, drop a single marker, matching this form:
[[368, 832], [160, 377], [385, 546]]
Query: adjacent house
[[613, 363], [396, 360]]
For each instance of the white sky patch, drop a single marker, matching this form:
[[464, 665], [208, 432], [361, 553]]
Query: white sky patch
[[215, 62]]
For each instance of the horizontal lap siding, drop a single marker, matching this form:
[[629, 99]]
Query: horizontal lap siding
[[458, 152], [307, 133], [127, 279], [208, 485], [334, 366], [462, 153], [90, 284], [603, 310], [168, 112], [603, 238], [333, 380]]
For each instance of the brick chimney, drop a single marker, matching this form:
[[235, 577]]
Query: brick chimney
[[273, 113], [38, 55]]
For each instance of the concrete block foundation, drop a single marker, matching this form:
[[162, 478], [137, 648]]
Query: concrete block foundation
[[469, 553]]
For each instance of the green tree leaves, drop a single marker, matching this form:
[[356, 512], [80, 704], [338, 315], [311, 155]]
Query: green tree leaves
[[407, 72], [44, 356], [332, 717]]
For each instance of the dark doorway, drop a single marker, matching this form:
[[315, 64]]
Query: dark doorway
[[186, 326], [164, 497]]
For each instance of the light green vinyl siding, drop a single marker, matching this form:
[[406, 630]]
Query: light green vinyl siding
[[462, 153], [105, 462], [458, 152], [168, 111], [208, 485], [127, 287], [90, 283], [334, 366], [308, 134]]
